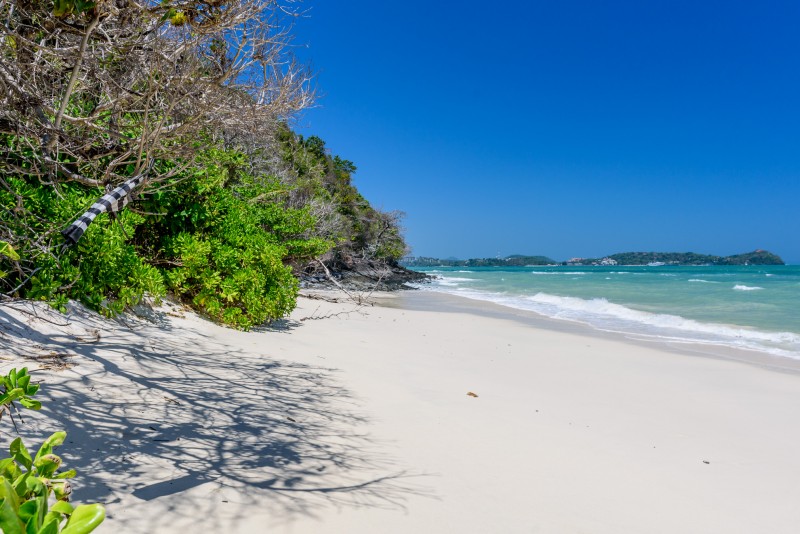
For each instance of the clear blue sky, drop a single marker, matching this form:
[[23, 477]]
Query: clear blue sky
[[566, 128]]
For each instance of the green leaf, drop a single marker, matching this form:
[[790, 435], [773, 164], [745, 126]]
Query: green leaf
[[20, 453], [56, 439], [9, 470], [66, 474], [8, 251], [30, 403], [7, 493], [170, 13], [32, 513], [23, 381], [9, 522], [12, 395], [61, 489], [47, 465], [50, 525], [62, 507], [82, 6], [4, 463], [62, 8], [28, 485], [84, 519]]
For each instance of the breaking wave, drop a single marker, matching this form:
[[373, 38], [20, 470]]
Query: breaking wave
[[739, 287], [607, 316]]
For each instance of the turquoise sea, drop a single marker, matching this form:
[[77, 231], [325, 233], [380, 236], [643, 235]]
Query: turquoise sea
[[746, 307]]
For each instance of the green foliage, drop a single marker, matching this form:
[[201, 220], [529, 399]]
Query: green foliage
[[103, 270], [218, 235], [17, 387], [236, 278], [225, 240], [64, 8], [368, 232], [224, 227], [29, 484], [176, 18], [758, 257], [8, 251]]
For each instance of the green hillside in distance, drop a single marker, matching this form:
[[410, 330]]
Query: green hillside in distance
[[516, 260], [757, 257]]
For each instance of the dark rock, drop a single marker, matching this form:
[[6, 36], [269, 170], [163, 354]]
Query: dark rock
[[360, 275]]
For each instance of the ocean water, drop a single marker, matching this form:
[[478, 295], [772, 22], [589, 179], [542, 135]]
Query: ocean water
[[745, 307]]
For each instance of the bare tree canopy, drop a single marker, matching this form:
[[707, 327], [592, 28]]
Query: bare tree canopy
[[91, 92]]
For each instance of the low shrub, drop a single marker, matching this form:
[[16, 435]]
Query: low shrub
[[34, 494]]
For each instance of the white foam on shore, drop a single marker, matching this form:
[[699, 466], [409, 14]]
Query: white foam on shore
[[607, 316]]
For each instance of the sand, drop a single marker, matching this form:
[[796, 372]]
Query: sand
[[359, 420]]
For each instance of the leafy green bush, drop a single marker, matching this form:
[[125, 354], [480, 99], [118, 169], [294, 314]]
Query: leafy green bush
[[26, 487], [219, 234], [236, 278], [17, 387], [28, 483], [224, 242], [103, 270]]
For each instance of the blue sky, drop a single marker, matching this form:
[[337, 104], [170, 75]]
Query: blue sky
[[566, 128]]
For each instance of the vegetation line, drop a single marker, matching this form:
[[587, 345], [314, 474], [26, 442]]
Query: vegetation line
[[200, 96]]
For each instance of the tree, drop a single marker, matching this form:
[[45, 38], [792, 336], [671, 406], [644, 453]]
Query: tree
[[92, 91], [95, 92]]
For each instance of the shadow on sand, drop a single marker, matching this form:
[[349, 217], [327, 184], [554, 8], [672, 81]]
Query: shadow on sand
[[155, 413]]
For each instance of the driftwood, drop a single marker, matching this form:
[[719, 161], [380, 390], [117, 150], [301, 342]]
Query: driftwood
[[315, 317], [359, 299]]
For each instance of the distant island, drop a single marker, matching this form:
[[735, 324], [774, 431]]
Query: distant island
[[509, 261], [757, 257]]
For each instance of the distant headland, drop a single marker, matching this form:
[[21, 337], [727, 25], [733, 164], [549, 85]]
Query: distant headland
[[757, 257]]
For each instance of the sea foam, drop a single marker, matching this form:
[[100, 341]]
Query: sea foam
[[740, 287], [607, 316], [557, 273], [452, 281]]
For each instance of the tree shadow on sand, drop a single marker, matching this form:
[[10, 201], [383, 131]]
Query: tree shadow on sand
[[204, 428]]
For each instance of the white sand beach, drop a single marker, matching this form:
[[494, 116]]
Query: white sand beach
[[351, 420]]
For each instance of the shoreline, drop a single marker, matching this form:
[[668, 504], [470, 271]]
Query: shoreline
[[358, 419], [747, 310], [443, 301]]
